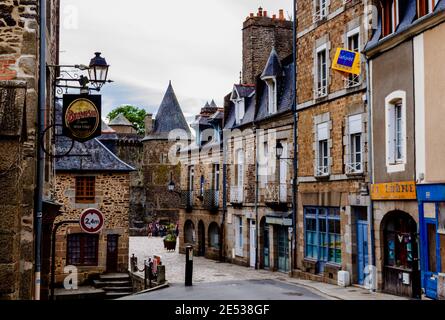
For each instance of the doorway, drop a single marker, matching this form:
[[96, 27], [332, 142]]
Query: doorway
[[201, 239], [362, 250], [430, 273], [266, 250], [283, 249], [112, 252], [252, 243]]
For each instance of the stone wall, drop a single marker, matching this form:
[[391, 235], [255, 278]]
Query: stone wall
[[19, 45], [112, 199], [260, 34]]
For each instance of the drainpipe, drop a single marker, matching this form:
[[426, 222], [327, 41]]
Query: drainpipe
[[257, 223], [222, 256], [370, 164], [40, 154], [295, 160]]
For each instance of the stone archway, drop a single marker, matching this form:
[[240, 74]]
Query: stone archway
[[214, 236], [189, 232], [201, 239], [400, 254]]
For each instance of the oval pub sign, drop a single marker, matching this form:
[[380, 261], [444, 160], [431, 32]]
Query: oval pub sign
[[91, 221], [81, 117]]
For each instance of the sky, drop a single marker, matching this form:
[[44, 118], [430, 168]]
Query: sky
[[197, 44]]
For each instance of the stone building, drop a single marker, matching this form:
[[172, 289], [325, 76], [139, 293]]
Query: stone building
[[406, 59], [92, 177], [160, 165], [333, 225], [123, 140], [201, 216], [19, 79]]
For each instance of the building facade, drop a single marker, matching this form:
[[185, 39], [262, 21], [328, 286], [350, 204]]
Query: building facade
[[333, 224], [406, 114], [201, 215], [19, 93], [91, 177]]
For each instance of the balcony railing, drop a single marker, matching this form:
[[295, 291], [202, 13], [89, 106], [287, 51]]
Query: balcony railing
[[321, 91], [352, 81], [187, 198], [276, 193], [354, 167], [320, 14], [322, 171], [211, 199], [236, 194]]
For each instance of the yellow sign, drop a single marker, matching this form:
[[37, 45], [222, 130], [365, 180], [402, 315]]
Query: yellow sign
[[394, 191], [347, 61]]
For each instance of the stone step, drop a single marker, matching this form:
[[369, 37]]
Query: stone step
[[116, 295], [118, 289], [119, 283], [114, 277]]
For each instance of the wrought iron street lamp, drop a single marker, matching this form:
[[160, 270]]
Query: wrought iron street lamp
[[98, 71]]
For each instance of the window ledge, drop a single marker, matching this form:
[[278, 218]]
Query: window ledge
[[393, 168], [355, 174]]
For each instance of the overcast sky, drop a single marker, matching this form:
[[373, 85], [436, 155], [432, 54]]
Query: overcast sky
[[196, 44]]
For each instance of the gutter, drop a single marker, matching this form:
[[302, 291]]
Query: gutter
[[222, 256], [257, 260], [40, 154]]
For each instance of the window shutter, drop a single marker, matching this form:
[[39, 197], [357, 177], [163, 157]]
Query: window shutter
[[391, 126], [355, 124], [322, 131]]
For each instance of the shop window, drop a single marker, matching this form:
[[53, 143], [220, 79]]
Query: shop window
[[323, 234], [82, 249], [85, 189]]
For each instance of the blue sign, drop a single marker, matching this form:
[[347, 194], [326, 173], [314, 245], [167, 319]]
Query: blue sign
[[346, 58]]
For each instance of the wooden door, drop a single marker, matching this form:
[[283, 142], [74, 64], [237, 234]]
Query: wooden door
[[112, 252]]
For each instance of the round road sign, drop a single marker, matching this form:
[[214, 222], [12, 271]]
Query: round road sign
[[91, 221]]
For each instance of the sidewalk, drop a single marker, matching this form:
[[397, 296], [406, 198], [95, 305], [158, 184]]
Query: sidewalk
[[343, 293]]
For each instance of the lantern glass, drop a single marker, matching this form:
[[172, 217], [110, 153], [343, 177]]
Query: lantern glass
[[98, 70], [171, 186], [279, 149]]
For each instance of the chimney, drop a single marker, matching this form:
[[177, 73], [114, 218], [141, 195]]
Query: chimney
[[264, 13], [281, 15], [260, 12], [252, 15], [148, 123], [274, 17]]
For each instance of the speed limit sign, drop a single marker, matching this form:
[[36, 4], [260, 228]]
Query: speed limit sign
[[91, 221]]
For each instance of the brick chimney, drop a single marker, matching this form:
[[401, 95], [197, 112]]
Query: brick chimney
[[148, 123], [260, 34]]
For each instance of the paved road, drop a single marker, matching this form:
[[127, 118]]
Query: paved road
[[232, 290]]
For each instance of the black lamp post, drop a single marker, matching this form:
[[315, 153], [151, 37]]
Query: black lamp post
[[279, 149], [98, 71], [171, 187]]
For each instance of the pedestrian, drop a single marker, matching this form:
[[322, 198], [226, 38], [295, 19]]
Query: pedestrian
[[177, 230]]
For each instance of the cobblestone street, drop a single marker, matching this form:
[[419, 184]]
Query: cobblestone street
[[207, 273]]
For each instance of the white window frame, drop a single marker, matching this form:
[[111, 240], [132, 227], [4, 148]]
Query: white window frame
[[239, 236], [321, 91], [395, 15], [321, 169], [352, 166], [353, 80], [320, 10], [392, 163], [432, 5], [239, 110], [272, 101]]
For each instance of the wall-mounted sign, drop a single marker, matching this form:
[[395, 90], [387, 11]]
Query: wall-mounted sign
[[81, 116], [280, 221], [91, 220], [347, 61], [394, 191]]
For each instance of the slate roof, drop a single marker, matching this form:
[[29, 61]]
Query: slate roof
[[90, 156], [256, 105], [244, 90], [168, 117], [408, 18], [213, 104], [120, 120], [273, 66]]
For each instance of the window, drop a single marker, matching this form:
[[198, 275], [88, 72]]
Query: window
[[353, 38], [214, 235], [191, 177], [239, 110], [322, 149], [201, 186], [272, 100], [425, 7], [239, 168], [323, 234], [396, 131], [216, 177], [239, 236], [82, 249], [85, 189], [264, 164], [321, 9], [355, 157], [390, 16], [322, 72]]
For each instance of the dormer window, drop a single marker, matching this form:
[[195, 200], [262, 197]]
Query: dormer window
[[239, 106], [272, 93], [390, 16], [425, 7]]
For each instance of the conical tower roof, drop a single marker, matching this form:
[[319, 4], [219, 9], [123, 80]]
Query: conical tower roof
[[169, 117]]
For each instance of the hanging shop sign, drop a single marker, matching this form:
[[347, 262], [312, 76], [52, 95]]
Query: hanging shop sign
[[394, 191], [81, 116], [91, 220], [347, 61]]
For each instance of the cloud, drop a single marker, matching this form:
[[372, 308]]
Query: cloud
[[196, 44]]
